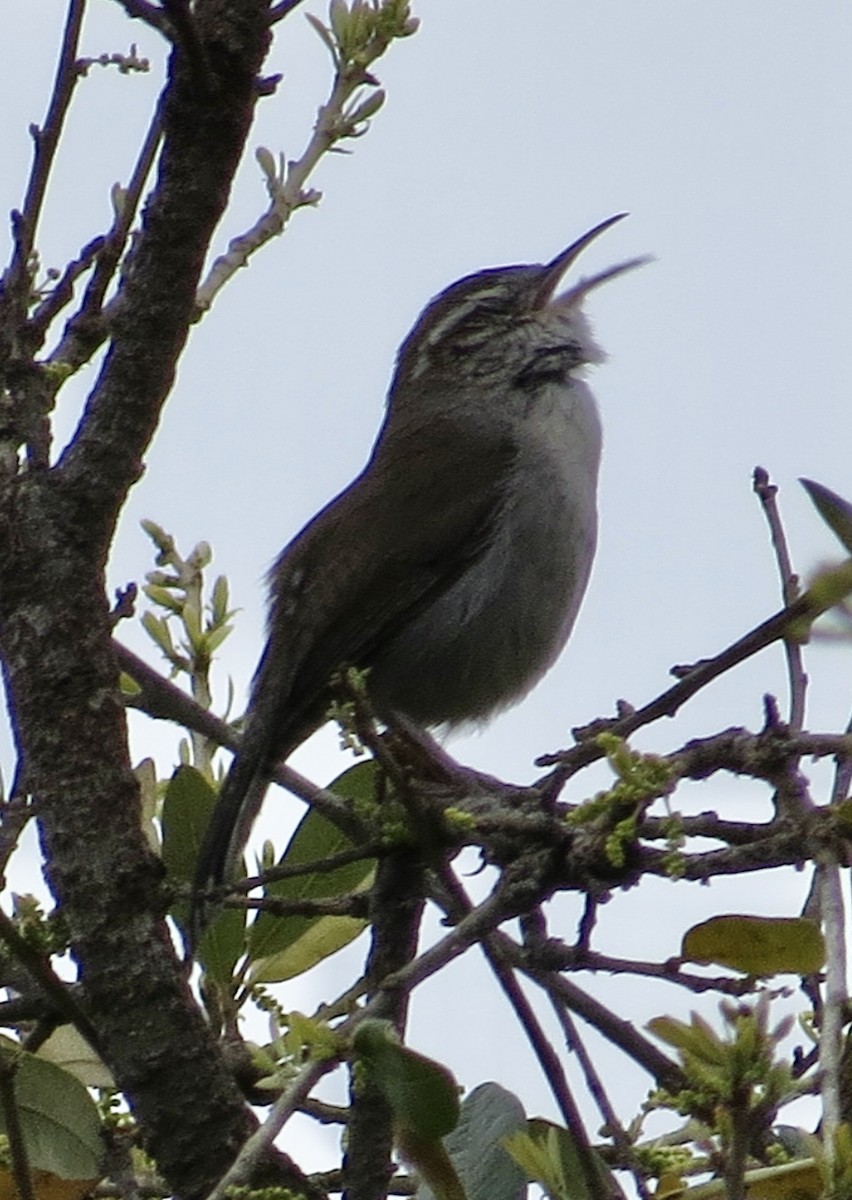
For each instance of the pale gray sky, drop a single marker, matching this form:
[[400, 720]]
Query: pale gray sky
[[723, 128]]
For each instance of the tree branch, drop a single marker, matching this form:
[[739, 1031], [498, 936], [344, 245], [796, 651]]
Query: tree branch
[[45, 141], [804, 611]]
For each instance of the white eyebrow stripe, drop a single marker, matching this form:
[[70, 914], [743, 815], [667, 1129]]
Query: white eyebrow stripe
[[458, 311]]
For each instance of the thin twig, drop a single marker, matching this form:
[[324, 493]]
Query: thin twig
[[255, 1149], [356, 905], [810, 605], [80, 340], [45, 143], [287, 193], [620, 1032], [63, 290], [829, 896], [47, 979], [843, 772], [589, 960], [551, 1068], [317, 866], [622, 1142], [767, 493]]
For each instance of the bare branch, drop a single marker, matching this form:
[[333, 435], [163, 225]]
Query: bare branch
[[767, 493], [575, 1044], [89, 326], [620, 1032], [46, 140], [258, 1145], [810, 605], [63, 291]]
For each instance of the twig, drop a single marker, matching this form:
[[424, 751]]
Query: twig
[[48, 980], [45, 142], [318, 866], [331, 906], [287, 191], [63, 290], [257, 1145], [767, 493], [810, 605], [623, 1145], [162, 700], [783, 844], [833, 918], [88, 327], [551, 1068], [590, 960], [760, 755], [620, 1032], [843, 772]]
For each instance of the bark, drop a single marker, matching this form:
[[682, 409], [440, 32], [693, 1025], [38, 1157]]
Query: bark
[[56, 525]]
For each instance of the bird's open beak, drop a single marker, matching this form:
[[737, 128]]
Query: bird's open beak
[[555, 270]]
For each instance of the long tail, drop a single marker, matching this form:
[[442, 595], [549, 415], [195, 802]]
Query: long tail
[[227, 832]]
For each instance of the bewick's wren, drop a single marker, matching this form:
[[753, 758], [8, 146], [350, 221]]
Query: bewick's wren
[[454, 565]]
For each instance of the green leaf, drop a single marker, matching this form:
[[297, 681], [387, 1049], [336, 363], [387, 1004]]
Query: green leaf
[[324, 34], [757, 945], [486, 1169], [697, 1038], [129, 686], [216, 637], [834, 510], [68, 1049], [59, 1120], [223, 944], [165, 597], [422, 1094], [550, 1156], [157, 628], [219, 595], [319, 939], [146, 777], [283, 947], [187, 808]]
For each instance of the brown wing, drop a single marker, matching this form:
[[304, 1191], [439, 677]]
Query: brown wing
[[373, 559], [369, 562]]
